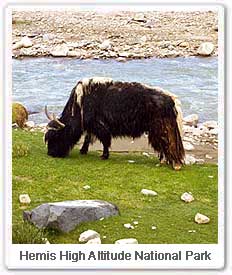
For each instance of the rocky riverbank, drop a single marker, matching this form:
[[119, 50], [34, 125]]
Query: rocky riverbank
[[119, 35]]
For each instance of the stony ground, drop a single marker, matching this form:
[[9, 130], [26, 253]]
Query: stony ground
[[120, 35]]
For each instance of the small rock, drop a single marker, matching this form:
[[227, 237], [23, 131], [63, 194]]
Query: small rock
[[30, 124], [211, 124], [208, 156], [146, 154], [213, 131], [88, 235], [94, 241], [25, 42], [191, 120], [143, 39], [105, 45], [24, 199], [189, 160], [200, 161], [121, 59], [206, 49], [86, 187], [148, 192], [201, 219], [128, 226], [45, 240], [184, 44], [76, 54], [153, 227], [187, 197], [60, 51], [124, 54], [127, 241], [188, 146]]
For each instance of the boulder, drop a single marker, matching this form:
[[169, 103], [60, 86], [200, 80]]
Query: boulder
[[19, 114], [206, 49], [191, 120], [66, 215]]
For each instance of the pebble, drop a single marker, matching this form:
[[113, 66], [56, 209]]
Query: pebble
[[94, 241], [148, 192], [191, 120], [187, 197], [24, 199], [190, 160], [25, 42], [88, 235], [188, 146], [206, 49], [128, 226], [127, 241], [201, 219], [30, 124]]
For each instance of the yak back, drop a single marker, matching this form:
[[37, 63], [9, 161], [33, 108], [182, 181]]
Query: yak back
[[125, 109]]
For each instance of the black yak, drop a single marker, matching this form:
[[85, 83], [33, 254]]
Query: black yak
[[104, 109]]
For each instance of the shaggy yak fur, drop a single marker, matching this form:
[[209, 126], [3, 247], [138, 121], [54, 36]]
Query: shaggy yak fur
[[104, 109]]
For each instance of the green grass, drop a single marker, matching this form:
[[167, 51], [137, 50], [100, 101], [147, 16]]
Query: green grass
[[48, 179]]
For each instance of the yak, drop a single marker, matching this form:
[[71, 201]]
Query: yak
[[102, 109]]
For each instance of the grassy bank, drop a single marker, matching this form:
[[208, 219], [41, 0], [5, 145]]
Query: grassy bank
[[116, 180]]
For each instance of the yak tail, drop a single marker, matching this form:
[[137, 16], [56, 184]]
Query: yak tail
[[165, 136], [173, 147]]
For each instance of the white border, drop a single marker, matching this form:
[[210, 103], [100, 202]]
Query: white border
[[217, 249]]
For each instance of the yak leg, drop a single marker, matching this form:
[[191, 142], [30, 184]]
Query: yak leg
[[105, 138], [85, 147], [106, 141]]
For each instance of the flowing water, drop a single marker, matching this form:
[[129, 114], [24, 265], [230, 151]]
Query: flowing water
[[47, 81]]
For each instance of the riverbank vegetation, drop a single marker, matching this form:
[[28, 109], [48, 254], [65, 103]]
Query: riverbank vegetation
[[160, 219]]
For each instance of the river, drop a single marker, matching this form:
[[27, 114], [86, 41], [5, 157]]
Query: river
[[48, 81]]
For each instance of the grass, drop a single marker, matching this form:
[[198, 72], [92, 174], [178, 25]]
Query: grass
[[48, 179]]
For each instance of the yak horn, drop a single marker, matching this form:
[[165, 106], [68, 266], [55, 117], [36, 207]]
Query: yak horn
[[62, 125], [53, 117], [46, 113]]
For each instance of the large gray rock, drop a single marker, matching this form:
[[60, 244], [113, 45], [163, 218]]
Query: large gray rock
[[66, 215]]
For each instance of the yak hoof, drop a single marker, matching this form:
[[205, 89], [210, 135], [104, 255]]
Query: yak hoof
[[177, 167], [104, 157]]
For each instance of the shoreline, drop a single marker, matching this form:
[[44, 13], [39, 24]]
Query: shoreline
[[119, 35]]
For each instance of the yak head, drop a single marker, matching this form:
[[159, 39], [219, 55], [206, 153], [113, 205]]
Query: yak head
[[61, 137]]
